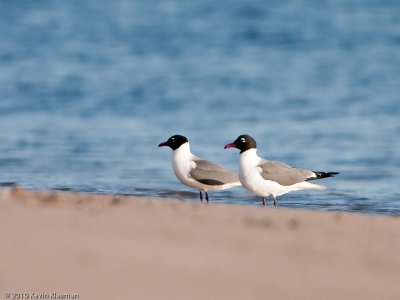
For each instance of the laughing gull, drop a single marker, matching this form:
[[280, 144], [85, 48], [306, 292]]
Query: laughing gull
[[271, 178], [196, 173]]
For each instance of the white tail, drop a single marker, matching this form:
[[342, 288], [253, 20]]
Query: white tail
[[312, 186]]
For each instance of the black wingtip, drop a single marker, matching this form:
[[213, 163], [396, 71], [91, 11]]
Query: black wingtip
[[325, 174]]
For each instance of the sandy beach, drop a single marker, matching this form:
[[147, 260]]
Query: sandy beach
[[114, 247]]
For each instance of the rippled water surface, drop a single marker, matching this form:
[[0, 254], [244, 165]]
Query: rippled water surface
[[89, 88]]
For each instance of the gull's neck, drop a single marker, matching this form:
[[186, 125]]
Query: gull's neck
[[183, 152], [249, 157], [181, 161]]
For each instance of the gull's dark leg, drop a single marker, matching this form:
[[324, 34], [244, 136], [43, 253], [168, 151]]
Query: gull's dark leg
[[264, 201], [276, 204], [207, 197], [201, 197]]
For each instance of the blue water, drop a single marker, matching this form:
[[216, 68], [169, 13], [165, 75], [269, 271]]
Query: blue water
[[89, 88]]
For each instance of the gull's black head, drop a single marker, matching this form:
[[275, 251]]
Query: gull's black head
[[243, 142], [174, 142]]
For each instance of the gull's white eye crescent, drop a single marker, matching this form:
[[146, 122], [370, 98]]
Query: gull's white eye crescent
[[243, 140]]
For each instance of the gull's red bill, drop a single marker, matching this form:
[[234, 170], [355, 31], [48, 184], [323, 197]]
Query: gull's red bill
[[230, 145]]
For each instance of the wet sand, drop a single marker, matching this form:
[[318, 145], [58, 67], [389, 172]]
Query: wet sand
[[112, 247]]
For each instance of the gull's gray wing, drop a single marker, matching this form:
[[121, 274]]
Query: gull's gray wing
[[282, 173], [211, 173]]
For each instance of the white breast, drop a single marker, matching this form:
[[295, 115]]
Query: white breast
[[181, 162], [250, 177]]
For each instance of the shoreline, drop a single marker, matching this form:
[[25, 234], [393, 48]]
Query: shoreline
[[104, 246]]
